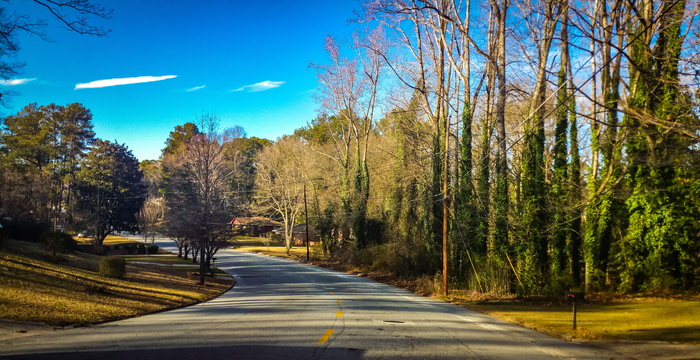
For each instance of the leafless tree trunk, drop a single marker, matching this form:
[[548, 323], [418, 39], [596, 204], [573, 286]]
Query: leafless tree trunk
[[282, 170]]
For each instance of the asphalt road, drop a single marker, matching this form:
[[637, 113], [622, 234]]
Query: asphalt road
[[281, 309]]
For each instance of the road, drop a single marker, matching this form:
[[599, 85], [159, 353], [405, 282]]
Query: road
[[280, 309]]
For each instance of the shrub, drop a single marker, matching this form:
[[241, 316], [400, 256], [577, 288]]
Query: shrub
[[25, 230], [113, 266], [57, 242], [151, 249]]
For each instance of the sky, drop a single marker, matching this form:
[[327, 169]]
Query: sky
[[166, 62]]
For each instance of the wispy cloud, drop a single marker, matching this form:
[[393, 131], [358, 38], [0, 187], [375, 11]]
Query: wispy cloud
[[122, 81], [196, 88], [261, 86], [13, 82]]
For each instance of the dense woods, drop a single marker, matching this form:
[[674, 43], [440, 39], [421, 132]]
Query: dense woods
[[533, 146], [508, 146]]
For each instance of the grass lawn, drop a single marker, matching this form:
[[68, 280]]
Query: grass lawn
[[70, 290], [641, 319], [109, 240], [297, 253]]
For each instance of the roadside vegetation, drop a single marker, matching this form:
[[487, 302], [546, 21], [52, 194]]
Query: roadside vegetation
[[69, 290]]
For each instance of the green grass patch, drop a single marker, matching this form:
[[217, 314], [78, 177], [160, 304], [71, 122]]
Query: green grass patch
[[69, 290], [642, 320]]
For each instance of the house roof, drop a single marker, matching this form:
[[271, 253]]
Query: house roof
[[255, 221], [301, 229]]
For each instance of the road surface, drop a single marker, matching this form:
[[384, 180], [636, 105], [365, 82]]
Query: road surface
[[281, 309]]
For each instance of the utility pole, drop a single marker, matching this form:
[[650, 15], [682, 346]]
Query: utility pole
[[306, 214]]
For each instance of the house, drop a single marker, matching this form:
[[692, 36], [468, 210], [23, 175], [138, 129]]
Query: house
[[299, 235], [254, 226]]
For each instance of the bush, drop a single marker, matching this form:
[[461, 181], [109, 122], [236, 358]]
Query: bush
[[25, 230], [113, 266], [151, 249], [57, 242]]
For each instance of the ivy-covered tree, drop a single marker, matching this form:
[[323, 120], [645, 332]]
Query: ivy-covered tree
[[663, 237]]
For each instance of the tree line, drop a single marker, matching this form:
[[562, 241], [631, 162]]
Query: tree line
[[56, 174], [525, 146]]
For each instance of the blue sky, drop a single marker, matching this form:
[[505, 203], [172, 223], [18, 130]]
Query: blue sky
[[246, 61]]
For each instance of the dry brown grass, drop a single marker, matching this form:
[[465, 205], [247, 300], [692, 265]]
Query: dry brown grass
[[644, 319], [109, 240], [69, 290]]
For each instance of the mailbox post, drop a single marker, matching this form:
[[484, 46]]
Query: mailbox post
[[574, 297]]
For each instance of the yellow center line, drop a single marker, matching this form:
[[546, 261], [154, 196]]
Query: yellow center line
[[339, 302], [332, 293], [339, 314], [326, 336]]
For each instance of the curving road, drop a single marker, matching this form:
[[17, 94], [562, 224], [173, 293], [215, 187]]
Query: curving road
[[281, 309]]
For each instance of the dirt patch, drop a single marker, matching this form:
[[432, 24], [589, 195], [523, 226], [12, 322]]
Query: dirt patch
[[16, 329]]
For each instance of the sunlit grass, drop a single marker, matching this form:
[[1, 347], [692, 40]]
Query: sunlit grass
[[161, 258], [296, 253], [109, 240], [58, 294], [246, 241], [642, 320]]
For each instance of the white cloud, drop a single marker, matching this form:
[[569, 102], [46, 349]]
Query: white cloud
[[196, 88], [122, 81], [12, 82], [261, 86]]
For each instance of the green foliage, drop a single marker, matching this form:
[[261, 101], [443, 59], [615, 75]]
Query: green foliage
[[321, 130], [324, 225], [483, 192], [110, 189], [660, 243], [58, 242], [41, 148], [241, 152], [179, 137], [28, 134], [113, 266], [465, 221]]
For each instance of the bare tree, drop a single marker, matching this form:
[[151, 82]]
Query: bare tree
[[149, 216], [280, 181], [196, 193]]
